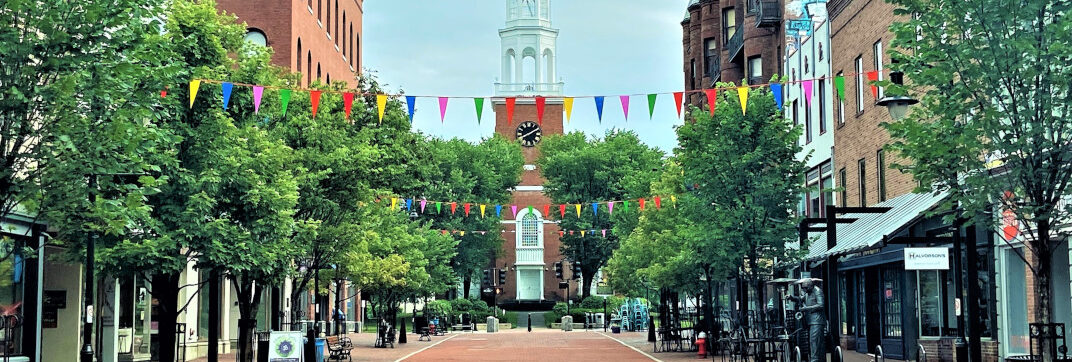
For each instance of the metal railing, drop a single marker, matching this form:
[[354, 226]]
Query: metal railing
[[735, 44], [768, 13], [528, 88]]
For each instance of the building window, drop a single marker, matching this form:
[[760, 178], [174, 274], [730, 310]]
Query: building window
[[841, 105], [878, 65], [848, 303], [320, 12], [755, 70], [796, 117], [822, 106], [859, 84], [317, 71], [203, 302], [862, 178], [336, 22], [692, 74], [256, 37], [344, 38], [327, 19], [880, 168], [841, 184], [936, 301], [891, 303], [356, 50], [530, 227], [299, 56], [729, 24], [309, 68], [985, 305], [826, 181], [1014, 302], [710, 54], [812, 194], [807, 122]]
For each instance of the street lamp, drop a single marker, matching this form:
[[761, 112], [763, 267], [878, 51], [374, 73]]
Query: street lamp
[[897, 104]]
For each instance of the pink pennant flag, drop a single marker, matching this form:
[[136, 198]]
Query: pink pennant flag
[[423, 203], [610, 207], [514, 209], [807, 91], [257, 92], [625, 106], [443, 108], [604, 232]]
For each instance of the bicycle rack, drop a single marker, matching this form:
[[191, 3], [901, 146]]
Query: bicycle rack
[[880, 355], [921, 353], [796, 354], [838, 354]]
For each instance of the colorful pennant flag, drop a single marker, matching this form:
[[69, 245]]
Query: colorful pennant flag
[[443, 109], [872, 77], [806, 85], [514, 209], [394, 203], [567, 104], [658, 202], [482, 208], [453, 207], [479, 103], [226, 89], [578, 207], [561, 233], [381, 104], [258, 91], [438, 207], [467, 209], [673, 199], [742, 94], [641, 201], [546, 210], [510, 101], [498, 210], [776, 91], [610, 207], [625, 106], [284, 97], [679, 99], [541, 102], [651, 105], [409, 204], [562, 210], [348, 103], [582, 233], [595, 209], [839, 83], [411, 105], [423, 203], [712, 99], [604, 232], [625, 204], [314, 98], [599, 107], [194, 85], [530, 209]]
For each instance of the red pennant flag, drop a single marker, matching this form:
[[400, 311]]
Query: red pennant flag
[[163, 93], [444, 232], [712, 96], [562, 210], [466, 209], [561, 233], [314, 97], [510, 109], [546, 210], [540, 103], [454, 206], [348, 102], [641, 203], [872, 76], [658, 202], [678, 100]]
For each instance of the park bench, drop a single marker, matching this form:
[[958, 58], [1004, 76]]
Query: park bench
[[339, 348], [466, 323]]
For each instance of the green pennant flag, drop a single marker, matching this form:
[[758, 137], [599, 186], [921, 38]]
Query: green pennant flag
[[839, 82], [651, 105], [625, 204], [530, 209], [479, 102], [284, 95], [438, 207]]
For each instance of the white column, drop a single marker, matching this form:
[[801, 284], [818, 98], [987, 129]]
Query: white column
[[109, 310], [539, 71], [506, 68], [519, 75]]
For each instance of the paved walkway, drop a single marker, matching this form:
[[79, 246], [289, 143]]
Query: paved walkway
[[539, 345]]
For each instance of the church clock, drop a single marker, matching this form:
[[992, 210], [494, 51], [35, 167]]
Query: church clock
[[529, 133]]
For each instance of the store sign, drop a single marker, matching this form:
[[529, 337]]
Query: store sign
[[285, 346], [926, 258]]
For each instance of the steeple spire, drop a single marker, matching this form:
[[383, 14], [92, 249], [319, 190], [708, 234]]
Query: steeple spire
[[529, 51]]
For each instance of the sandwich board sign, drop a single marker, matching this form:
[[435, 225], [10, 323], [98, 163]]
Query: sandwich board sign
[[926, 258], [285, 346]]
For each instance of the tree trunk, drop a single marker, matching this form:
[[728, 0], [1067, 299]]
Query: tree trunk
[[709, 316], [466, 282], [166, 291], [249, 297], [586, 281], [1043, 261]]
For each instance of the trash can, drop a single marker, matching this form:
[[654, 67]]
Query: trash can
[[320, 344]]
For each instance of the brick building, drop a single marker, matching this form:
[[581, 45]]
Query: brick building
[[730, 41], [321, 39]]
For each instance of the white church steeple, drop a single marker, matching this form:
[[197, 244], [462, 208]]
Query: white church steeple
[[529, 50]]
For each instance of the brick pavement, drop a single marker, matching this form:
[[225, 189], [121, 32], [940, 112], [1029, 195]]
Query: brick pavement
[[539, 345]]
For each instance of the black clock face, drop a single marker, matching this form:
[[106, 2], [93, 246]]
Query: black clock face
[[529, 133]]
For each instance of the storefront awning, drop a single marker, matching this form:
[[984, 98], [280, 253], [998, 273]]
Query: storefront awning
[[868, 229]]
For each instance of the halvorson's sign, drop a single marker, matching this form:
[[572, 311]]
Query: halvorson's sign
[[926, 258]]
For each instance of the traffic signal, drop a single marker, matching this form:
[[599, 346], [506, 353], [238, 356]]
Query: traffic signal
[[502, 276], [558, 269], [487, 276], [576, 270]]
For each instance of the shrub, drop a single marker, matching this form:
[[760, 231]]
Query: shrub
[[439, 307], [459, 306]]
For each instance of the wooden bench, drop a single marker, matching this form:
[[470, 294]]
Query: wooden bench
[[339, 348]]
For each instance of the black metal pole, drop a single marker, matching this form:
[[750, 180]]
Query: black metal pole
[[974, 347], [606, 317], [89, 292], [316, 299], [958, 285], [530, 321], [214, 316], [831, 278]]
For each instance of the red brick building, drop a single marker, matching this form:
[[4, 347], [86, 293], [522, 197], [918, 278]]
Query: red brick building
[[321, 39], [730, 41]]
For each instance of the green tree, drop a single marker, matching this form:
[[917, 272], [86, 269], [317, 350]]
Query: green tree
[[483, 174], [992, 76], [578, 170], [748, 179]]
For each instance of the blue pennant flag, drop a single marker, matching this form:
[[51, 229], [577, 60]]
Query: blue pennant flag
[[599, 107], [410, 100], [498, 210], [776, 90], [409, 203], [595, 209], [226, 87]]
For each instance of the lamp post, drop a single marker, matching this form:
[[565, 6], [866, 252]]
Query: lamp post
[[897, 104]]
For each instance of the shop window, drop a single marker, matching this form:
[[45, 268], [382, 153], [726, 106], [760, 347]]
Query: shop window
[[984, 304], [1014, 285], [936, 295], [848, 304], [892, 326], [861, 302]]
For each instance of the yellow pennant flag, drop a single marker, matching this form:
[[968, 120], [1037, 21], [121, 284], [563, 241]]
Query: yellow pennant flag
[[394, 202], [674, 200], [742, 93], [567, 103], [462, 233], [194, 85], [578, 210], [381, 104], [482, 207], [582, 233]]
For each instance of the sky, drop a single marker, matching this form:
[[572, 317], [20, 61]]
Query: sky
[[605, 47]]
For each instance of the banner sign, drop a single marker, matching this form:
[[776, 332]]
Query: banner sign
[[926, 258], [285, 346]]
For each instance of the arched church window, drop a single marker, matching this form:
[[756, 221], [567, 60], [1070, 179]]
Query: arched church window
[[530, 225]]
